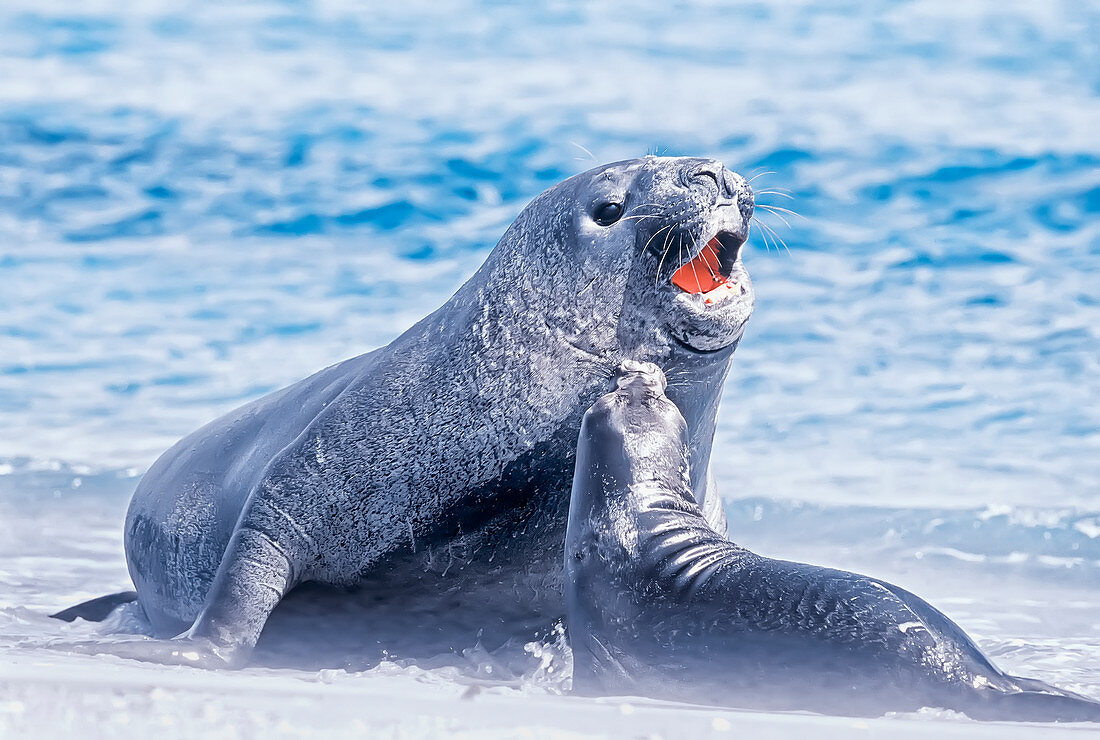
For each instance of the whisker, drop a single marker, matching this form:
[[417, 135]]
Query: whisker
[[784, 210], [590, 154], [775, 236], [774, 192], [664, 253], [651, 238], [668, 240], [765, 231], [680, 254], [659, 264], [655, 205], [761, 174], [658, 231], [780, 217], [764, 238], [692, 262]]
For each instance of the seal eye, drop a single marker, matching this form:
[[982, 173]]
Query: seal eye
[[608, 213]]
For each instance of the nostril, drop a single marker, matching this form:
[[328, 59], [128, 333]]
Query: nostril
[[712, 176], [732, 183], [705, 175]]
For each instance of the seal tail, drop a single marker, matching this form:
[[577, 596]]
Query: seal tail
[[96, 610], [1035, 701]]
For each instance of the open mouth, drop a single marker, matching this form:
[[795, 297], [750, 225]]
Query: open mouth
[[710, 273]]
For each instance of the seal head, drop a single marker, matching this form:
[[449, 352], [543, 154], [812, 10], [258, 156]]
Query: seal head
[[649, 253], [681, 223]]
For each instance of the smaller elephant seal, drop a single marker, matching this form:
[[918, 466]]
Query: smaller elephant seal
[[659, 604]]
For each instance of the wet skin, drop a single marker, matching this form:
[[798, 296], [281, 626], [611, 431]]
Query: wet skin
[[660, 604], [435, 471]]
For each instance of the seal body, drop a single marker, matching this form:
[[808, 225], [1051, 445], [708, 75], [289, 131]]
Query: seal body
[[659, 604], [441, 463]]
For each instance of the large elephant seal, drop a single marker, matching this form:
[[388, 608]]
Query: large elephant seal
[[438, 467], [660, 604]]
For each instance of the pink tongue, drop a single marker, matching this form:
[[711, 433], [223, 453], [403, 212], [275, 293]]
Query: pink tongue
[[703, 274]]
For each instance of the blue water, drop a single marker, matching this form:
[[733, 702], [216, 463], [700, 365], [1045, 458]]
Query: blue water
[[202, 203]]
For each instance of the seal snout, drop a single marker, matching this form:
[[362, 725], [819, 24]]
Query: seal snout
[[710, 272], [724, 186], [639, 388], [641, 375]]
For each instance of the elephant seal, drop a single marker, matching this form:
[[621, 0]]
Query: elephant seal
[[436, 470], [660, 604]]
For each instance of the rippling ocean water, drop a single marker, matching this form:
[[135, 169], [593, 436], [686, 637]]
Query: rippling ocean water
[[200, 203]]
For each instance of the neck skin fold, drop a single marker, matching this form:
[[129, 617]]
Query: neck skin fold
[[695, 385]]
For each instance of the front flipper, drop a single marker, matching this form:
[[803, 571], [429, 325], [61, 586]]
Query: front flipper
[[255, 574]]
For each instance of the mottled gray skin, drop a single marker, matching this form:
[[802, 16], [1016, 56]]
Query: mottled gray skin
[[439, 465], [659, 604]]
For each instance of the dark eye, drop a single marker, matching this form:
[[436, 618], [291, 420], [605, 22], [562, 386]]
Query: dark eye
[[608, 213]]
